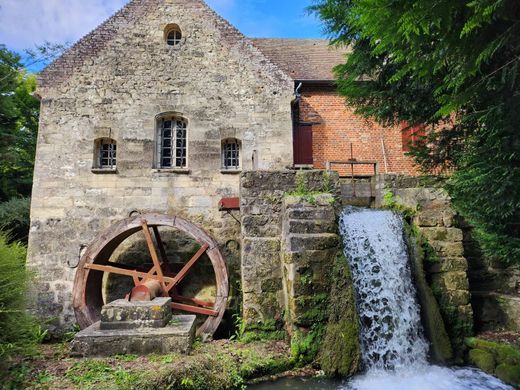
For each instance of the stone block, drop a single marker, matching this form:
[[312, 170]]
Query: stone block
[[448, 249], [311, 226], [122, 314], [452, 280], [442, 234], [177, 337], [313, 242], [448, 264], [311, 213]]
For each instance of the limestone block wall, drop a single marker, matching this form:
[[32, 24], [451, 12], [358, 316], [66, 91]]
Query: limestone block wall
[[114, 83], [309, 246], [447, 271], [261, 195]]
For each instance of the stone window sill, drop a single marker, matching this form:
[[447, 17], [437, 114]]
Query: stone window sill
[[179, 171], [104, 171], [230, 171]]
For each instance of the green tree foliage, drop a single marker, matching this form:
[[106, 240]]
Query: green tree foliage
[[14, 218], [18, 328], [455, 66], [19, 113]]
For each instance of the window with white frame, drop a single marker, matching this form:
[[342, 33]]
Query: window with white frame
[[230, 154], [105, 154], [172, 143]]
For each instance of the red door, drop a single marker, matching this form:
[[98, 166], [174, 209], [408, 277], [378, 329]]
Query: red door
[[302, 141]]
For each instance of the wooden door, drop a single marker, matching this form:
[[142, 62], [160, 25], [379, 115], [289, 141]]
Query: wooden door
[[302, 143]]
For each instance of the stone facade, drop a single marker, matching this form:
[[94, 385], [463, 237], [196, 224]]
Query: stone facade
[[114, 83]]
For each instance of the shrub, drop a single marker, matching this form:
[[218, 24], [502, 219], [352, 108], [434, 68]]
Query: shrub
[[17, 333], [14, 218]]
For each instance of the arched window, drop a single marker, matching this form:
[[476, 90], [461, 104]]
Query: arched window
[[173, 35], [171, 142], [105, 154], [231, 154]]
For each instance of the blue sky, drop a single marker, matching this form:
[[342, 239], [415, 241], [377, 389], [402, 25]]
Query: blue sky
[[26, 23]]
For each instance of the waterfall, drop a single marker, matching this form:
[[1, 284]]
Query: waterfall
[[394, 349], [391, 331]]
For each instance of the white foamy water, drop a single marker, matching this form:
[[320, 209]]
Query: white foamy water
[[394, 350]]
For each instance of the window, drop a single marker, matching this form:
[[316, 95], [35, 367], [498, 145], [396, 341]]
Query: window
[[412, 136], [173, 35], [172, 143], [230, 154], [105, 154]]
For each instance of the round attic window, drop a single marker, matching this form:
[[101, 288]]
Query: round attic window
[[173, 35]]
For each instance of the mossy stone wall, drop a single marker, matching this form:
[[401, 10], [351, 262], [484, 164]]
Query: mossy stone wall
[[429, 209], [498, 359]]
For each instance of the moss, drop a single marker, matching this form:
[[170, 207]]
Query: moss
[[305, 344], [430, 312], [509, 373], [340, 350], [483, 360], [506, 358]]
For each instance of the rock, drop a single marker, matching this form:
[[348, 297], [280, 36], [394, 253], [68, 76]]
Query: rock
[[509, 373], [483, 360], [122, 314]]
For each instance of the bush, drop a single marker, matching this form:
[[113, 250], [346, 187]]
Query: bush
[[14, 218], [18, 329]]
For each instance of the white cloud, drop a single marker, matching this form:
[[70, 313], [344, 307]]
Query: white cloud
[[24, 23]]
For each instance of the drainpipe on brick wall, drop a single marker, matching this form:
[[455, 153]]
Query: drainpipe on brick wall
[[384, 152]]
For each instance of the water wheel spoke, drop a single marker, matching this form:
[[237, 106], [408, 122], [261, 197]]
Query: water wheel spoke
[[155, 258], [162, 251], [193, 301], [126, 271], [194, 309], [187, 267]]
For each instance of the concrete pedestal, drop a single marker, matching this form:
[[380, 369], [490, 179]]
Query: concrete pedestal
[[176, 337]]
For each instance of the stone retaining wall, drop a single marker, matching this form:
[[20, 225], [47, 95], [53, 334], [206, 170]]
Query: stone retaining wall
[[261, 195], [447, 267]]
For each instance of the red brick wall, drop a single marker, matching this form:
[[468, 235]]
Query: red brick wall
[[336, 127]]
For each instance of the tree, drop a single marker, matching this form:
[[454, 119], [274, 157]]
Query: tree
[[19, 113], [455, 66]]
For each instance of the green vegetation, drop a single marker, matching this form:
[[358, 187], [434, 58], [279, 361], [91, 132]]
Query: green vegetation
[[453, 67], [340, 352], [501, 360], [215, 366], [19, 333], [14, 218]]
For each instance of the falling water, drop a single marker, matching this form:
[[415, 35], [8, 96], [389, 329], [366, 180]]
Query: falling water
[[394, 350]]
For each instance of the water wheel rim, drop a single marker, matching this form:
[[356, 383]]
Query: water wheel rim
[[87, 290]]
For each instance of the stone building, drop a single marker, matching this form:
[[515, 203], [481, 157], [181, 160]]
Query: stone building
[[159, 110]]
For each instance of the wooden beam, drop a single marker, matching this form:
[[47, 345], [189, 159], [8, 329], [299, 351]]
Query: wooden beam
[[155, 259], [125, 272], [182, 273], [194, 309], [192, 301]]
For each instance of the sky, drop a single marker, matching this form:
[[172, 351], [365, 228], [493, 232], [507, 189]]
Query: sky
[[26, 23]]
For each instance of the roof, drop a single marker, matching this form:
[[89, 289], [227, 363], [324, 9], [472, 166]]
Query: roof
[[302, 59]]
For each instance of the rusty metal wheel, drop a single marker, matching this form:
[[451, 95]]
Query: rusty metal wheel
[[87, 291]]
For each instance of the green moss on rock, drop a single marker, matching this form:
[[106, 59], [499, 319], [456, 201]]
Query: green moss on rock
[[506, 359], [340, 350], [483, 360], [509, 373]]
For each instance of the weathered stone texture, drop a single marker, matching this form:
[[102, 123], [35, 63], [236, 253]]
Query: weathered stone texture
[[436, 218], [113, 84], [262, 213]]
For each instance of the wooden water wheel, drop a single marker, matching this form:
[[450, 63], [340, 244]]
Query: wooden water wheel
[[88, 283]]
